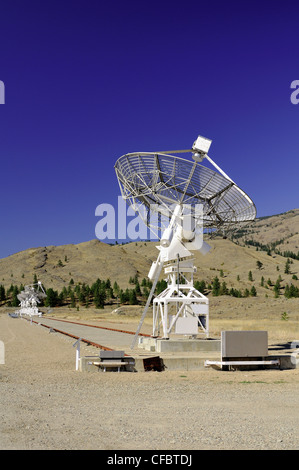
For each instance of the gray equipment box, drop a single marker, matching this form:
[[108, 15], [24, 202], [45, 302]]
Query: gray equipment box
[[244, 344], [112, 355]]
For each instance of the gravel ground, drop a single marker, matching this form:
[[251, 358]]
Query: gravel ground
[[46, 404]]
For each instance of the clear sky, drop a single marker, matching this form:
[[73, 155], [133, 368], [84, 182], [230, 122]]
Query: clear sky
[[87, 81]]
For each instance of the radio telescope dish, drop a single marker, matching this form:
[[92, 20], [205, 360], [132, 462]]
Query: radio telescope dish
[[166, 191], [32, 295], [157, 182]]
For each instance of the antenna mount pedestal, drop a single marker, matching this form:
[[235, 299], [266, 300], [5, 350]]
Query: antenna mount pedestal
[[180, 309]]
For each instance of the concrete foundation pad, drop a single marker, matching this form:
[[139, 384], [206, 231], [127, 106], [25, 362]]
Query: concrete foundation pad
[[179, 345], [183, 362]]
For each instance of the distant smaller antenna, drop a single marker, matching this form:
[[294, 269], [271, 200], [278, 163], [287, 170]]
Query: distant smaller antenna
[[32, 295]]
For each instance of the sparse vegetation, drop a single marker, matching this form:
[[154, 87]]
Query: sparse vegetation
[[284, 316], [238, 270], [259, 264]]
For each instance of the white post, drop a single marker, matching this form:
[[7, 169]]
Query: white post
[[155, 320], [77, 343], [164, 315]]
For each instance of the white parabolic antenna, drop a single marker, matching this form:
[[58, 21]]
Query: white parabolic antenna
[[29, 298], [180, 199]]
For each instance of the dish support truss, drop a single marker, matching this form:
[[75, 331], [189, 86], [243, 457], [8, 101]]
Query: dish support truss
[[180, 308]]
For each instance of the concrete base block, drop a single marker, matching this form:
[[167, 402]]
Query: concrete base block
[[179, 345], [170, 363], [187, 362], [184, 363]]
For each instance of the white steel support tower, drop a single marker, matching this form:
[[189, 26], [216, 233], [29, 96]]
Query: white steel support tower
[[180, 308]]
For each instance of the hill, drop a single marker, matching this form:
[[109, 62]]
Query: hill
[[277, 232], [231, 260]]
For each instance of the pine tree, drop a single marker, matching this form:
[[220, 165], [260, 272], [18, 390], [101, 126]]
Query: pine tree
[[276, 290], [121, 296], [99, 298], [73, 301], [294, 291], [115, 289], [52, 298], [15, 301], [200, 286], [253, 291], [246, 293], [161, 285], [82, 298], [2, 293], [137, 288], [216, 286], [223, 289], [259, 264], [133, 297]]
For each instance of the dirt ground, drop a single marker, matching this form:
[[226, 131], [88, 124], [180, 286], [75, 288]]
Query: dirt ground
[[46, 404]]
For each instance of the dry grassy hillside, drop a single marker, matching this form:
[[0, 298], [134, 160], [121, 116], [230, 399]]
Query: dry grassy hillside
[[230, 261], [281, 229], [85, 262]]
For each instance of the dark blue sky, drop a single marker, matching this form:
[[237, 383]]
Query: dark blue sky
[[88, 81]]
